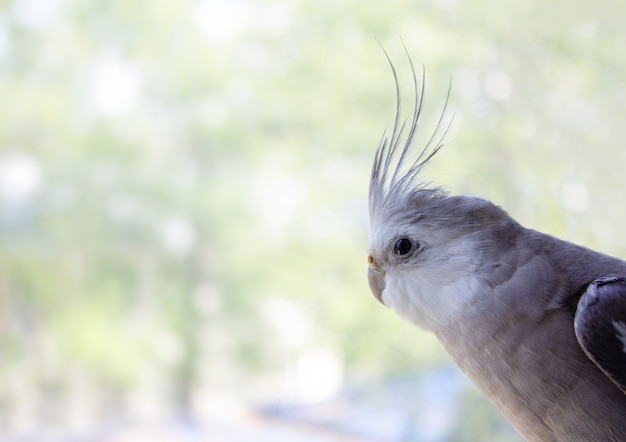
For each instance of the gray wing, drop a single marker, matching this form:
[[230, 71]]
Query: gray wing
[[600, 326]]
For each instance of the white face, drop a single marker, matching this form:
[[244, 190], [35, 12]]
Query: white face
[[429, 274]]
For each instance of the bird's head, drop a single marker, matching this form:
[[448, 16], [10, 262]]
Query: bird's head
[[424, 245]]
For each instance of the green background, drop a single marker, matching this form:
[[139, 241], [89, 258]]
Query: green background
[[183, 204]]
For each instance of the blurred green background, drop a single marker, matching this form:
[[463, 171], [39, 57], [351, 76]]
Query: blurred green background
[[183, 204]]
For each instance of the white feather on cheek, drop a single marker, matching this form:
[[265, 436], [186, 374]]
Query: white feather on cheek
[[437, 290]]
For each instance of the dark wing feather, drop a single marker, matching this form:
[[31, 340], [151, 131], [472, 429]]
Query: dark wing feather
[[600, 326]]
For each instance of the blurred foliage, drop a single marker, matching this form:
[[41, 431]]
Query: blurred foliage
[[479, 422], [183, 183]]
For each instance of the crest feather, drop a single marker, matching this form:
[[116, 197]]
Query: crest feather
[[396, 170]]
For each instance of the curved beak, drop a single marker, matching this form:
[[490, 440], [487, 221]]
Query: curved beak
[[377, 283]]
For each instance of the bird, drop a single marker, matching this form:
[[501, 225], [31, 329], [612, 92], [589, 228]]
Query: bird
[[537, 323]]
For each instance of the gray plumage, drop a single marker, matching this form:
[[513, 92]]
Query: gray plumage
[[502, 299], [600, 326]]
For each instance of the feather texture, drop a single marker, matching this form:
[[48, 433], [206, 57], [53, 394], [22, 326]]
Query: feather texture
[[501, 298], [395, 174]]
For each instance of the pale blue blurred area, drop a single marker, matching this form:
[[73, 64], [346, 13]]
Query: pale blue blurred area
[[183, 205]]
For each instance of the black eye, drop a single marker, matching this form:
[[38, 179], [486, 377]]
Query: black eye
[[402, 246]]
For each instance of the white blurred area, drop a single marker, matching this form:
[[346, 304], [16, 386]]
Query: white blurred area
[[20, 177], [112, 86]]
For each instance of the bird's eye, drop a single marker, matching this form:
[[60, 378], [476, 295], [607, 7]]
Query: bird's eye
[[402, 246]]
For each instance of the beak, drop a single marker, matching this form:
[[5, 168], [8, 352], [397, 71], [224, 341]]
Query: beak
[[377, 283]]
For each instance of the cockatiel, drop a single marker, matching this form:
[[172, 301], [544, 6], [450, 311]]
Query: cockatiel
[[538, 324]]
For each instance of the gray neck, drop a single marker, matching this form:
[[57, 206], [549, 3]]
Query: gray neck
[[512, 356]]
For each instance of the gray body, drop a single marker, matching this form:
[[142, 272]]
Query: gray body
[[538, 324], [518, 346]]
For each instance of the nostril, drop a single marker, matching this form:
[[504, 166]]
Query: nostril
[[372, 262]]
